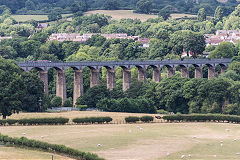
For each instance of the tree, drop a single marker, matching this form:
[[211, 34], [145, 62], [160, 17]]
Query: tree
[[56, 101], [96, 40], [165, 14], [158, 49], [218, 15], [7, 52], [30, 5], [187, 41], [80, 6], [170, 95], [54, 16], [202, 14], [111, 5], [34, 92], [41, 37], [93, 95], [236, 12], [29, 47], [224, 50], [144, 6], [12, 88]]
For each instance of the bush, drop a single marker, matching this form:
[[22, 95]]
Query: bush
[[34, 144], [82, 107], [56, 101], [92, 120], [43, 121], [131, 119], [202, 118], [162, 111], [146, 119], [68, 103]]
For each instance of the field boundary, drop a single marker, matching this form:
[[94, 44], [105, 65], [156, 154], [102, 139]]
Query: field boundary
[[44, 146]]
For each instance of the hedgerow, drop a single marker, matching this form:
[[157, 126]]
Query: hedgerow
[[92, 120], [35, 121], [35, 144], [202, 118]]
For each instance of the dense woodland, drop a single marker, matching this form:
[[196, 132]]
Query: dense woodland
[[21, 91], [142, 6]]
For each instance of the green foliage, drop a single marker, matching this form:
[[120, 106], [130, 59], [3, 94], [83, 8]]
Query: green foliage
[[54, 16], [56, 101], [111, 5], [35, 121], [202, 118], [82, 107], [132, 119], [187, 41], [68, 103], [96, 40], [34, 92], [146, 119], [137, 105], [218, 15], [35, 144], [162, 111], [224, 50], [12, 88], [93, 95], [43, 121], [144, 6], [202, 15], [92, 120]]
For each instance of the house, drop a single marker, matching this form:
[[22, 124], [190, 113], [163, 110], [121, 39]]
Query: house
[[76, 37], [41, 26], [222, 36]]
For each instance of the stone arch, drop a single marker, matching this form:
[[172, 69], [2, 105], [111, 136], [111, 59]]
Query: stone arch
[[184, 70], [223, 67], [170, 70], [210, 70]]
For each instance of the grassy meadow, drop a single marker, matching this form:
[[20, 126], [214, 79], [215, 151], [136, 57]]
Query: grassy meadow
[[20, 153], [120, 14], [154, 141]]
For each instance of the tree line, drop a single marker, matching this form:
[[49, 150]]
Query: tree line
[[141, 6]]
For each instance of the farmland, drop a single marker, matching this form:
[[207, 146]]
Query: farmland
[[120, 14], [154, 141]]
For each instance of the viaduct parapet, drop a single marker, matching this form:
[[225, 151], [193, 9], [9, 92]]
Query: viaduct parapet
[[61, 67]]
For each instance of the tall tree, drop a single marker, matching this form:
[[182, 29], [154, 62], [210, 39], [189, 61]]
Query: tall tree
[[144, 6], [218, 15], [224, 50], [12, 88], [187, 41], [202, 15]]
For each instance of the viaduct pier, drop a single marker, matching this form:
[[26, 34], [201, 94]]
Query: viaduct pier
[[61, 67]]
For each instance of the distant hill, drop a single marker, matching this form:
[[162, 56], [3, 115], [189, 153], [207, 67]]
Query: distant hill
[[67, 6]]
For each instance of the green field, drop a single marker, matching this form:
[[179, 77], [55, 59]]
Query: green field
[[24, 18], [154, 141], [120, 14], [20, 153]]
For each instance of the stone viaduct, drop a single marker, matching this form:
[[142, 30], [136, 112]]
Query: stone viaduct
[[44, 66]]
